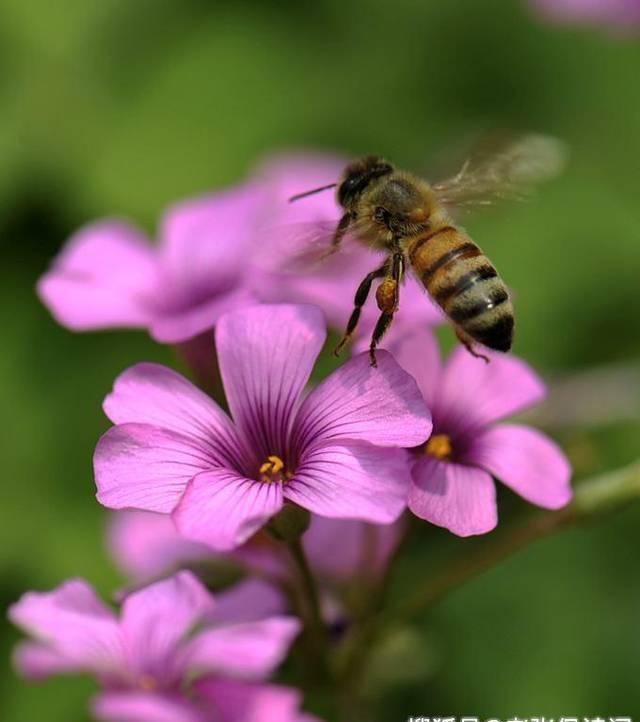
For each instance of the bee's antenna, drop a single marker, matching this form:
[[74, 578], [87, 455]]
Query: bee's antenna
[[298, 196]]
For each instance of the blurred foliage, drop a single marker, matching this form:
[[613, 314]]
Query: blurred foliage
[[119, 108]]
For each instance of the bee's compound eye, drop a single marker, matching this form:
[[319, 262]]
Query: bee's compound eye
[[349, 188], [351, 185]]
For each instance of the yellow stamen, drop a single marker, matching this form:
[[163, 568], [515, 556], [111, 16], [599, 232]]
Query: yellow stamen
[[439, 445], [273, 465], [273, 470]]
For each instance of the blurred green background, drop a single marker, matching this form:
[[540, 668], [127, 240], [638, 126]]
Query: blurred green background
[[119, 107]]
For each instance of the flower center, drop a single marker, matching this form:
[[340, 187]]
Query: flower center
[[274, 469], [439, 446]]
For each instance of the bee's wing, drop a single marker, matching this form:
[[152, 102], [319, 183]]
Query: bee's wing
[[508, 171], [304, 247]]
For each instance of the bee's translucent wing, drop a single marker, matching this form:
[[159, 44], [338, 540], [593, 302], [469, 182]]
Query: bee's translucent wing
[[510, 170], [303, 247]]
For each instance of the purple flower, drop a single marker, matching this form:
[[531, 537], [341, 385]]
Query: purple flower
[[452, 483], [618, 14], [147, 657], [334, 451], [110, 276]]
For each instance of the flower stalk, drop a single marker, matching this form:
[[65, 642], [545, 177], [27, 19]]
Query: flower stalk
[[309, 608]]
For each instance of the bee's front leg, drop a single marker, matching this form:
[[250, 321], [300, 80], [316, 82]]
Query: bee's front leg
[[340, 232]]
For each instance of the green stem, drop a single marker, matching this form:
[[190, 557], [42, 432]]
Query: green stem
[[310, 605]]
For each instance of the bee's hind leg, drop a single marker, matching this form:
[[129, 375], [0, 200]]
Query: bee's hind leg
[[388, 298], [378, 332], [360, 299], [467, 342]]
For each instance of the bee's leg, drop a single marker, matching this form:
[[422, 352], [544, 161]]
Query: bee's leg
[[339, 233], [388, 298], [467, 342], [360, 299]]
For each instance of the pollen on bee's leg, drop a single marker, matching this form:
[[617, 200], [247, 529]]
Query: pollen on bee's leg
[[386, 295]]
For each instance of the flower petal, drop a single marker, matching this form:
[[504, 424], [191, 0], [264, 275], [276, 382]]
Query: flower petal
[[343, 548], [248, 601], [473, 393], [527, 462], [73, 625], [250, 650], [416, 349], [37, 661], [102, 279], [204, 240], [145, 707], [149, 393], [147, 545], [181, 324], [138, 466], [287, 174], [460, 498], [266, 354], [223, 509], [353, 480], [380, 405], [236, 701], [157, 618]]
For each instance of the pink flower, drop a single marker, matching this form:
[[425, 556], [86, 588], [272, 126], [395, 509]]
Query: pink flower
[[291, 230], [618, 14], [110, 276], [147, 657], [334, 451], [452, 483]]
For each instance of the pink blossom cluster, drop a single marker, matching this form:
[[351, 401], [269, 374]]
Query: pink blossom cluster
[[196, 486]]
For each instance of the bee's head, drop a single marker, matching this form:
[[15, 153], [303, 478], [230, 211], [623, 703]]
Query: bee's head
[[358, 175]]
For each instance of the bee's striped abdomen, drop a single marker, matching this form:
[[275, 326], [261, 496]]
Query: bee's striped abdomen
[[461, 279]]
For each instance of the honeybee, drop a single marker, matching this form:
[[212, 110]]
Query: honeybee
[[412, 221]]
